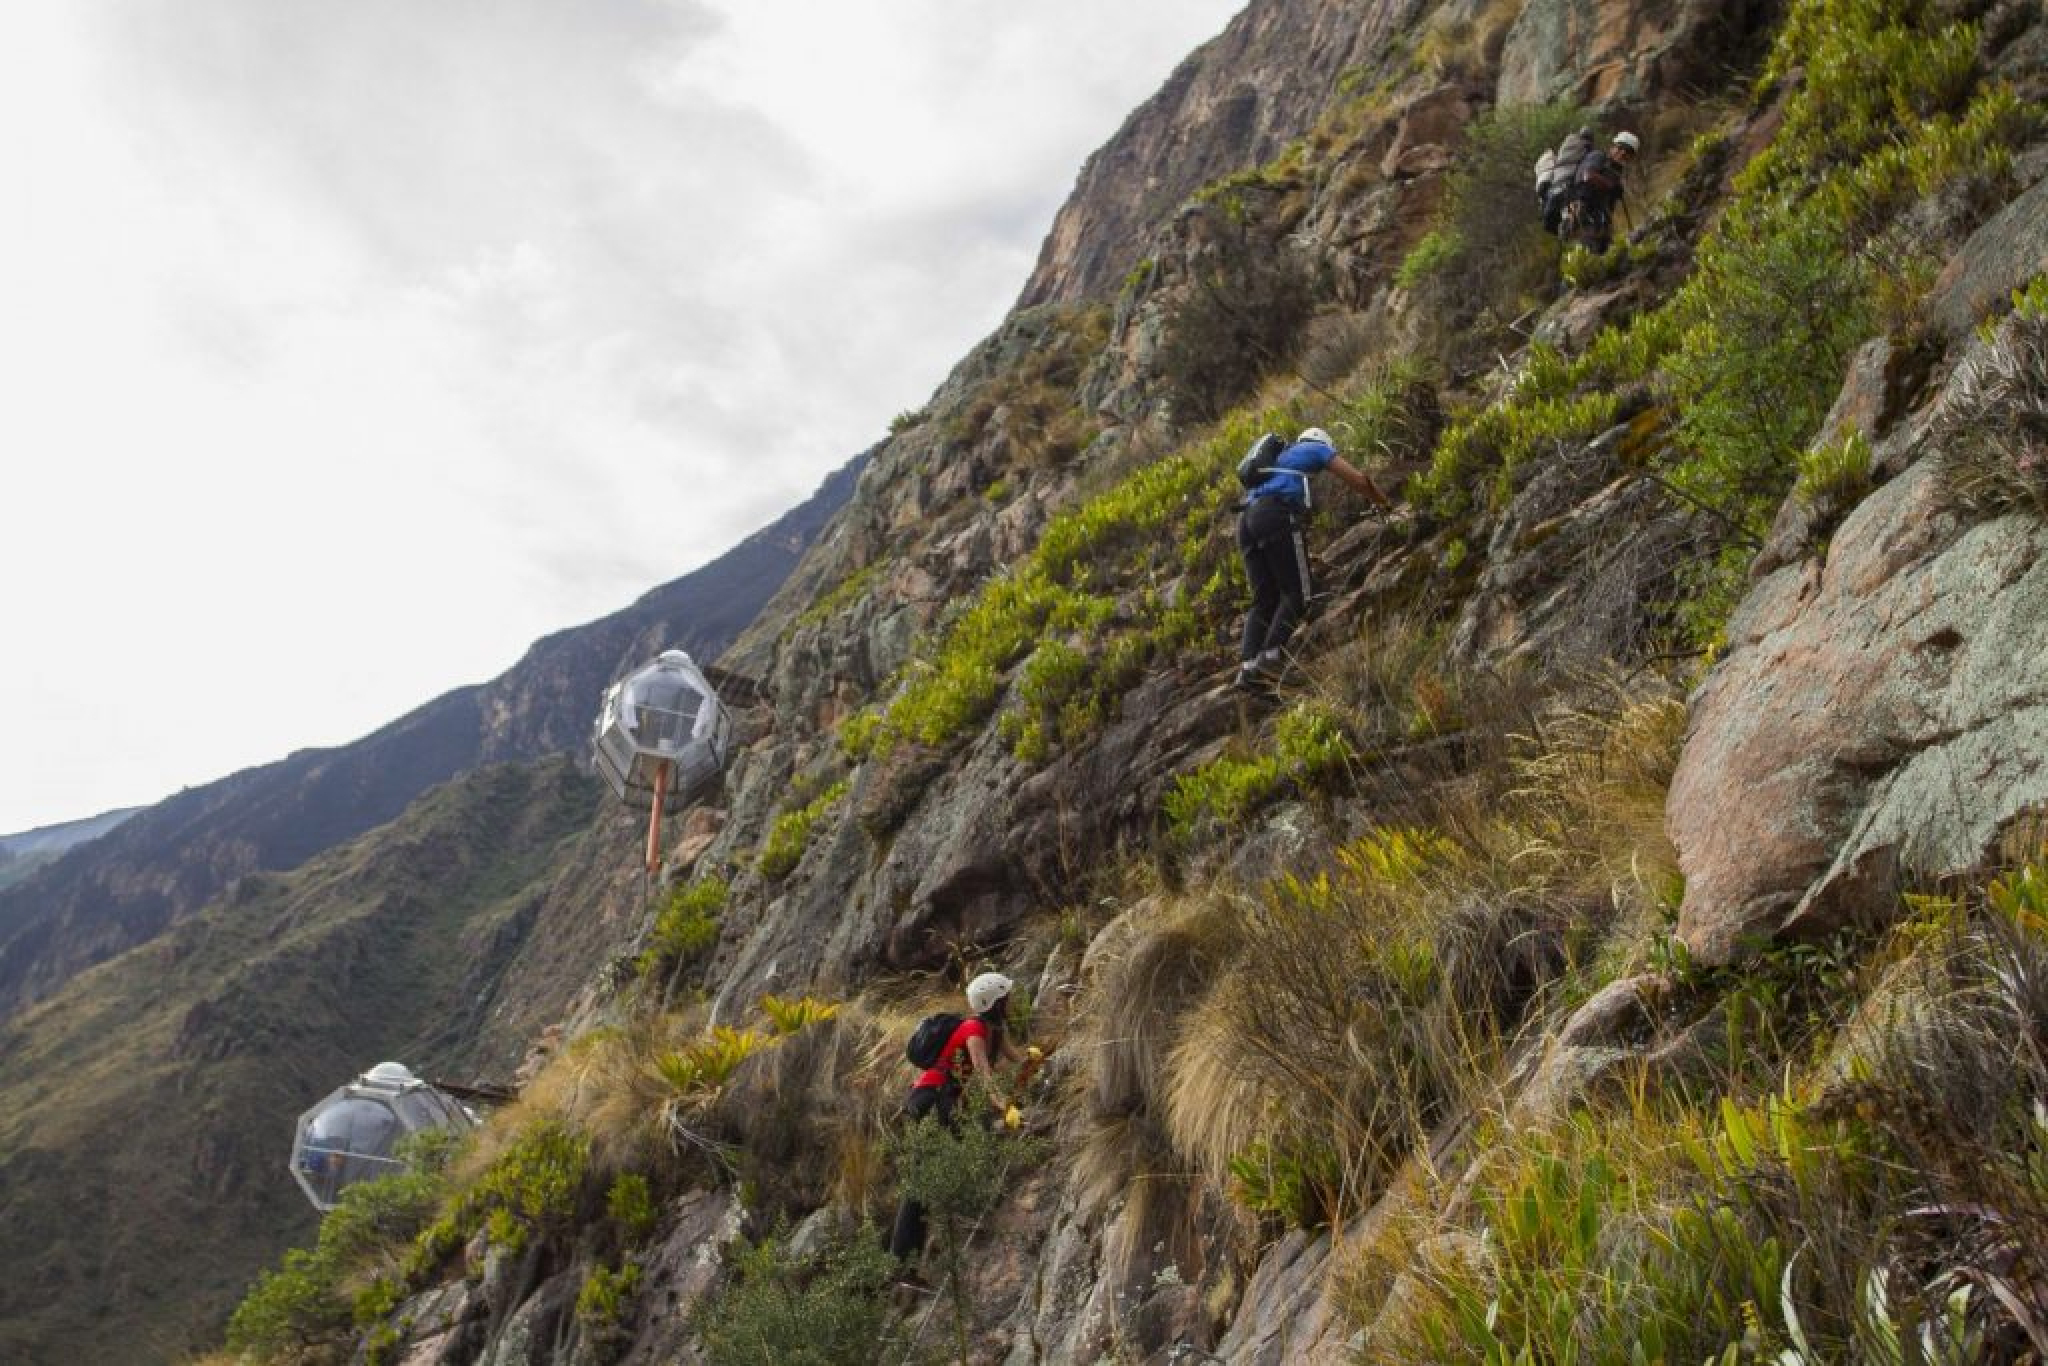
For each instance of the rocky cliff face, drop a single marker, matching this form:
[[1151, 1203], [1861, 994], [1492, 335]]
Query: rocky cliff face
[[1235, 102], [1600, 915]]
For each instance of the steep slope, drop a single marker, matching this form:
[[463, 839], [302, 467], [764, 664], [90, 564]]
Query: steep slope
[[147, 1106], [1622, 940], [173, 858]]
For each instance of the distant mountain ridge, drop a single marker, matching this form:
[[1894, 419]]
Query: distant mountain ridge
[[163, 863], [55, 839], [21, 854], [435, 939]]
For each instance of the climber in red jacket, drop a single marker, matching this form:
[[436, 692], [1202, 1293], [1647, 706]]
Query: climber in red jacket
[[973, 1048]]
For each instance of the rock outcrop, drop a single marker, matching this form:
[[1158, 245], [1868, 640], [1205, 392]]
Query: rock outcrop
[[1232, 104], [1589, 52], [1879, 719]]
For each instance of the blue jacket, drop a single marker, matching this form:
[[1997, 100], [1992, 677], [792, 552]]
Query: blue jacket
[[1295, 465]]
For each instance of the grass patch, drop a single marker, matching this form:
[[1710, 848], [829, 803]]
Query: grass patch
[[684, 930], [790, 835], [1310, 751]]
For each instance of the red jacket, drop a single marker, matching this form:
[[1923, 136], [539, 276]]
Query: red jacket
[[955, 1063]]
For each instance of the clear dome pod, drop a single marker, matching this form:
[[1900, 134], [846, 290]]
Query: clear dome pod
[[353, 1133], [662, 736]]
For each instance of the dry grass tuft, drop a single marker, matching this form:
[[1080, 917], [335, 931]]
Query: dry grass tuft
[[1592, 777], [1363, 1002], [1991, 434], [604, 1084], [805, 1118], [1146, 972]]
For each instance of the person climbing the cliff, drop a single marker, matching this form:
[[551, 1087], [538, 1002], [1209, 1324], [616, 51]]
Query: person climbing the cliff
[[1555, 172], [972, 1046], [1597, 188], [1270, 537]]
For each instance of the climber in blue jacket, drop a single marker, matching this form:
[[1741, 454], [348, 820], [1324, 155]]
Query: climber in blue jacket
[[1269, 536]]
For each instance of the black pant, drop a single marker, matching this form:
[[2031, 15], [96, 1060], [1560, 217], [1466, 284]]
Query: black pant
[[1591, 221], [1269, 536], [906, 1240]]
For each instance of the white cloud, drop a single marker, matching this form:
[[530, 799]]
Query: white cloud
[[357, 345]]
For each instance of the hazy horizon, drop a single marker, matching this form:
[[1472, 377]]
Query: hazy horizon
[[360, 346]]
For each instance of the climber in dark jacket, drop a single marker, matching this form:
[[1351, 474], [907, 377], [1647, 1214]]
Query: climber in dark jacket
[[976, 1045], [1596, 189], [1269, 536]]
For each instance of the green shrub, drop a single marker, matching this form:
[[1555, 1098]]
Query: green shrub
[[1834, 473], [1297, 1182], [1310, 748], [630, 1203], [603, 1302], [685, 929], [1437, 252], [532, 1188], [791, 1017], [842, 594], [958, 1175], [824, 1309], [1502, 438], [2032, 301], [1582, 268], [1487, 251], [698, 1068], [1159, 518], [293, 1308], [858, 734], [307, 1302], [1774, 307], [784, 847]]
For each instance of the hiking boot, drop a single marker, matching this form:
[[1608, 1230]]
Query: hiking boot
[[908, 1286], [1264, 670]]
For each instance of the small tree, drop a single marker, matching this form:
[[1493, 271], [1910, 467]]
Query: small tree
[[1241, 317], [821, 1309], [959, 1174]]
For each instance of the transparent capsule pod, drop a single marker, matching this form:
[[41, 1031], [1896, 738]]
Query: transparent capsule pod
[[353, 1133], [662, 730]]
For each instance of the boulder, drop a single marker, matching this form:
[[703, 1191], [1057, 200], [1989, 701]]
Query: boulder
[[1999, 257], [1880, 716]]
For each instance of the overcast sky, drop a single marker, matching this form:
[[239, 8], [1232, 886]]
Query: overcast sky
[[350, 345]]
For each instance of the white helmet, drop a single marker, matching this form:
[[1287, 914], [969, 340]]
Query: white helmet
[[1316, 434], [986, 990], [1628, 140]]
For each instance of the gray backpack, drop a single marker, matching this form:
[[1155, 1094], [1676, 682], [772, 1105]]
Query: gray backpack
[[1257, 464], [1555, 173]]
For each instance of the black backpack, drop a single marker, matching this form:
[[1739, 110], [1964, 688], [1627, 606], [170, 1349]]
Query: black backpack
[[1257, 464], [928, 1040]]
